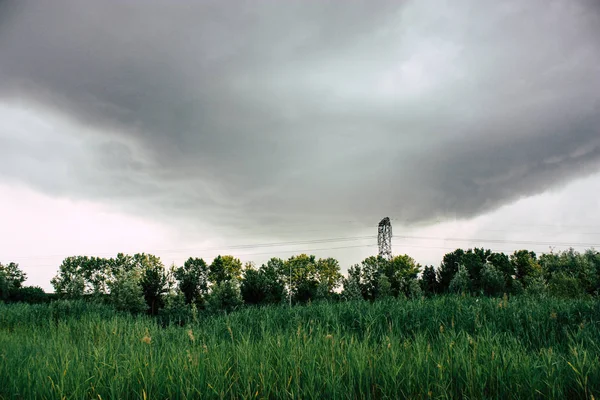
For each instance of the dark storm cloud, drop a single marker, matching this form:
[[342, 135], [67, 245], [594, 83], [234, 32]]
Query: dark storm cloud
[[252, 111]]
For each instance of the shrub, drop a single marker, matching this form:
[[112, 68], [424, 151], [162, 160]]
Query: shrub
[[126, 292], [225, 296], [561, 285], [29, 294], [535, 286], [176, 310], [492, 280], [461, 283]]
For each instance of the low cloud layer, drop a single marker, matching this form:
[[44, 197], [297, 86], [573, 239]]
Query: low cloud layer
[[243, 113]]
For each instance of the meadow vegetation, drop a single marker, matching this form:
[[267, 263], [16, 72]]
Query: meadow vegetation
[[444, 347], [482, 325]]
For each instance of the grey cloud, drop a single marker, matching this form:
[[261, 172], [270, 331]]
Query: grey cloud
[[259, 112]]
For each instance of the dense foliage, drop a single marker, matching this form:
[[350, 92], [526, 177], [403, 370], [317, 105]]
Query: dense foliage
[[460, 347], [482, 325], [141, 283]]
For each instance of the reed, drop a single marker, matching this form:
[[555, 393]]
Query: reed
[[445, 347]]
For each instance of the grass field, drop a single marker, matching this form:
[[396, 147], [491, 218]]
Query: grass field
[[434, 348]]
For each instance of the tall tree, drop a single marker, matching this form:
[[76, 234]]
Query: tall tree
[[81, 275], [461, 282], [502, 263], [384, 288], [265, 285], [225, 268], [192, 280], [593, 257], [449, 267], [571, 264], [11, 279], [253, 287], [352, 284], [328, 274], [126, 291], [429, 279], [474, 260], [372, 268], [400, 271], [304, 279], [154, 281], [526, 266], [274, 280], [493, 282], [225, 296]]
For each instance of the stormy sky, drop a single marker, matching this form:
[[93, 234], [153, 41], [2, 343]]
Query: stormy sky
[[233, 122]]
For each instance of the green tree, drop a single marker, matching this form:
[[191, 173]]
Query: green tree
[[461, 282], [429, 279], [69, 281], [352, 286], [400, 272], [253, 287], [192, 280], [448, 268], [264, 285], [126, 291], [593, 258], [502, 263], [225, 268], [371, 269], [535, 286], [176, 309], [525, 265], [328, 273], [154, 281], [304, 279], [563, 285], [274, 280], [572, 264], [11, 279], [492, 281], [322, 292], [225, 296], [384, 288], [29, 294], [474, 260], [414, 290], [122, 263], [82, 275]]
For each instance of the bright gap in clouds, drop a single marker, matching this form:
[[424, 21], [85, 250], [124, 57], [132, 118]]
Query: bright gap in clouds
[[556, 220], [39, 231]]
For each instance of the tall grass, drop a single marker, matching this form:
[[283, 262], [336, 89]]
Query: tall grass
[[439, 348]]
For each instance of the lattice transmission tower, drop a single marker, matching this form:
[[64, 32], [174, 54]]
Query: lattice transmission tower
[[384, 238]]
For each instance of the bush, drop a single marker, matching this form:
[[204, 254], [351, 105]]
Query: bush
[[126, 292], [461, 283], [561, 285], [414, 289], [29, 294], [536, 286], [492, 280], [225, 296], [176, 311], [352, 289], [384, 287]]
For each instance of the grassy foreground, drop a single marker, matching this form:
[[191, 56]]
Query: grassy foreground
[[435, 348]]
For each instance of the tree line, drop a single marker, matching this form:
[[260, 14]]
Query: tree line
[[142, 284]]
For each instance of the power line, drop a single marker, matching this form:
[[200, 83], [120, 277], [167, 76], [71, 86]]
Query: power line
[[297, 251], [232, 247], [333, 240], [478, 240], [300, 251]]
